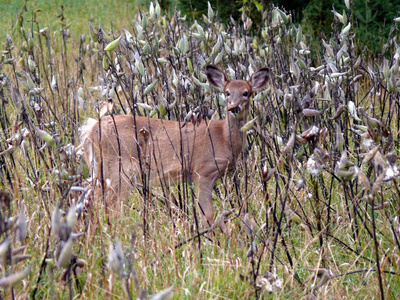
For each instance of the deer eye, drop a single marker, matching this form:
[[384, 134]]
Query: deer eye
[[227, 93], [245, 94]]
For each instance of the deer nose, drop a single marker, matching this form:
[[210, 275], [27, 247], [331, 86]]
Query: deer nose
[[234, 108]]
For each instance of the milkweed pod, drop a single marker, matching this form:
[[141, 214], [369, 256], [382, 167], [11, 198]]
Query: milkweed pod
[[248, 125], [71, 217], [144, 22], [311, 112], [164, 294], [151, 10], [190, 66], [346, 29], [112, 45], [12, 279], [65, 254], [44, 136], [162, 60], [210, 13], [4, 249], [22, 226], [128, 36], [55, 220], [92, 32], [219, 57], [149, 88], [353, 110], [299, 35], [31, 64], [105, 63], [145, 106], [116, 257], [162, 110], [157, 8]]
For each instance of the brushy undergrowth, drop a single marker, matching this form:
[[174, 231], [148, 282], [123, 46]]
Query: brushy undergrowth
[[314, 198]]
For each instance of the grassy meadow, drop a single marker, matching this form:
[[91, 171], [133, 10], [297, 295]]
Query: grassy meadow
[[77, 14], [314, 201]]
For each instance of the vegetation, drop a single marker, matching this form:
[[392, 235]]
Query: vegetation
[[371, 19], [76, 13], [313, 201]]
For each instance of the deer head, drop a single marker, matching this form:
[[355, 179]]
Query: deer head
[[237, 92]]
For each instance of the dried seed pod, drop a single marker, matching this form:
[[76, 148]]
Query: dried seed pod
[[290, 144], [71, 217], [338, 112], [116, 258], [353, 110], [92, 32], [363, 181], [391, 158], [65, 255], [324, 276], [321, 154], [4, 247], [55, 220], [391, 173], [376, 187], [311, 112], [250, 225], [266, 173], [322, 135], [370, 155], [379, 161], [13, 279], [20, 257], [210, 12], [310, 133], [346, 174], [339, 138], [5, 201], [301, 140], [164, 294], [314, 166], [21, 225]]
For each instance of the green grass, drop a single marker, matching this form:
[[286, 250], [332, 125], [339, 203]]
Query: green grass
[[77, 14], [302, 236]]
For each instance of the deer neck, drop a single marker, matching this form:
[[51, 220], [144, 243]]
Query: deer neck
[[236, 138]]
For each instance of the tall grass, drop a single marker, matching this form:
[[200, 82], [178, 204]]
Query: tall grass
[[77, 14], [314, 198]]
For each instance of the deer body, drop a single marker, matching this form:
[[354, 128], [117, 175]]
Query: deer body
[[127, 147]]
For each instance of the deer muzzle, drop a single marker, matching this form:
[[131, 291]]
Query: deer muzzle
[[234, 108]]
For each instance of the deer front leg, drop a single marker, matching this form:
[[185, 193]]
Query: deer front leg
[[205, 187], [116, 184]]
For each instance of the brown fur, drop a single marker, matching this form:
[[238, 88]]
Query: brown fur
[[165, 151]]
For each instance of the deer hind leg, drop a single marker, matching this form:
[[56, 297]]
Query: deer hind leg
[[205, 188]]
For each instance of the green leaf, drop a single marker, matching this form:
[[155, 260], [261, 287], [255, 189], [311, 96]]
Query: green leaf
[[259, 6]]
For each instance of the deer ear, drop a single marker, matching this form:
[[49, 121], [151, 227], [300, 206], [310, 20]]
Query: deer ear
[[216, 77], [259, 78]]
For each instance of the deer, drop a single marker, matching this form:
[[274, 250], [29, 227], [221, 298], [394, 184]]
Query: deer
[[120, 147]]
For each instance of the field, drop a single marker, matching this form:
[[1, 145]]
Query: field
[[312, 205]]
